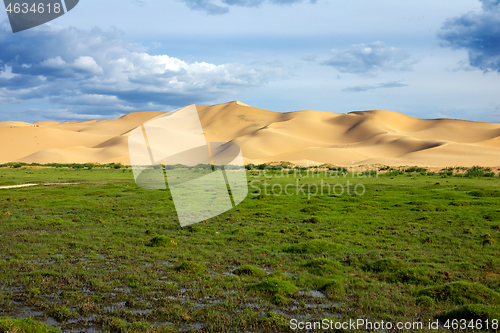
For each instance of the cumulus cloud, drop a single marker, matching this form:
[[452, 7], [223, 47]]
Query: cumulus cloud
[[478, 34], [490, 4], [369, 58], [393, 84], [96, 72], [213, 7]]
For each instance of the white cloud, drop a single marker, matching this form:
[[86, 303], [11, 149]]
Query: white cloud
[[393, 84], [7, 73], [369, 58], [478, 34], [91, 72]]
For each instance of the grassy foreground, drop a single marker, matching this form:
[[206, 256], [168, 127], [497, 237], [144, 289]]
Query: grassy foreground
[[106, 255]]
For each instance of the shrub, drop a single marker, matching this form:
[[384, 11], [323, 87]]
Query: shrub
[[476, 171], [416, 169], [461, 293], [394, 173], [249, 270]]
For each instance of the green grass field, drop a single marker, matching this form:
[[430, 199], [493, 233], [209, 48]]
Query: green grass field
[[104, 255]]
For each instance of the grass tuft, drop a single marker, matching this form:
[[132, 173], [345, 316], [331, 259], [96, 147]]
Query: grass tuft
[[161, 241], [473, 312], [62, 314], [273, 286], [333, 288], [462, 293], [190, 267], [322, 266], [27, 325], [412, 276], [249, 270], [315, 246], [313, 219], [385, 265]]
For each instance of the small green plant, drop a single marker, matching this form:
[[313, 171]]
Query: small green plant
[[62, 314], [280, 300], [114, 324], [275, 320], [34, 292]]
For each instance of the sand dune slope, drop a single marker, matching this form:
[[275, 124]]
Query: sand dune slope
[[301, 137]]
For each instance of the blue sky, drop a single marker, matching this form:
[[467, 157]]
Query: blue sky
[[426, 58]]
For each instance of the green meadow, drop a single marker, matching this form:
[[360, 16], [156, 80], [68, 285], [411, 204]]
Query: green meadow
[[103, 255]]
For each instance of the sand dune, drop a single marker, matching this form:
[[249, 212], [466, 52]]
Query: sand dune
[[301, 137]]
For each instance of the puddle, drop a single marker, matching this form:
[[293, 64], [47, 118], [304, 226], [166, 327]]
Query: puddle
[[187, 327], [312, 293], [51, 322], [80, 330], [165, 262], [206, 302], [165, 279], [162, 323], [250, 305], [121, 291], [137, 311], [114, 307], [84, 292], [28, 312], [321, 307]]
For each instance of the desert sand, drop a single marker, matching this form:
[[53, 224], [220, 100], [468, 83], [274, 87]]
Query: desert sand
[[301, 137]]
